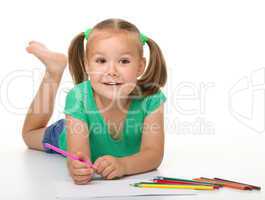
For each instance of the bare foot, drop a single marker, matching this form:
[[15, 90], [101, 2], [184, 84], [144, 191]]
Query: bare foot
[[55, 62]]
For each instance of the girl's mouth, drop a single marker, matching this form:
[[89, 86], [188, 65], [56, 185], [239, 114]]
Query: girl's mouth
[[112, 84]]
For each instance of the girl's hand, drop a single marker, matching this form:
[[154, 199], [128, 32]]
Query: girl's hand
[[79, 171], [110, 167]]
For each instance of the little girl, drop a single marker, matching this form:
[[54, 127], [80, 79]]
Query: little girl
[[114, 114]]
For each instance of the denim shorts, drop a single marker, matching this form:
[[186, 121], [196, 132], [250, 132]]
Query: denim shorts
[[52, 133]]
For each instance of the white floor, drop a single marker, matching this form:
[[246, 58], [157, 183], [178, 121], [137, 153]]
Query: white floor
[[29, 174]]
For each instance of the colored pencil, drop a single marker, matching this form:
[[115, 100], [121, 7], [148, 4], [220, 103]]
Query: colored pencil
[[225, 184], [186, 183], [183, 180], [69, 155], [171, 186], [252, 186], [173, 179]]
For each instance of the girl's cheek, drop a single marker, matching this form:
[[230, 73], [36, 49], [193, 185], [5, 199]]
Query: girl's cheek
[[95, 75]]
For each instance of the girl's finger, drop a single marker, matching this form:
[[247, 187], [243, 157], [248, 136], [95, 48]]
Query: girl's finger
[[108, 170], [97, 162], [78, 164], [81, 178], [83, 172], [100, 167], [112, 175]]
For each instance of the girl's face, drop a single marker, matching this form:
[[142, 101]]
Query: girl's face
[[114, 61]]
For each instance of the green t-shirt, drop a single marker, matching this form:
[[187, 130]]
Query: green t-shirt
[[80, 104]]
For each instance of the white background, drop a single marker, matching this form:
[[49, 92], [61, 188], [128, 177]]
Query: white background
[[211, 44]]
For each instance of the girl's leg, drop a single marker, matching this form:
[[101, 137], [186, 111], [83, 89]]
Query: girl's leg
[[42, 105]]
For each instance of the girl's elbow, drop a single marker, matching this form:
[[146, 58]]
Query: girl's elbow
[[159, 160]]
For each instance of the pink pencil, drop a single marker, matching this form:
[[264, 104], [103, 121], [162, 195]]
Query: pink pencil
[[69, 155]]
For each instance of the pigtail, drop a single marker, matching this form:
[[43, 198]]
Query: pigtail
[[155, 75], [76, 59]]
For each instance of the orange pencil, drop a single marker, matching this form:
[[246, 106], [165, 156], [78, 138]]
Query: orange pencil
[[228, 181], [225, 184]]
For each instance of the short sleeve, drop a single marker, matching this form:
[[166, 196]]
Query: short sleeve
[[74, 105], [152, 102]]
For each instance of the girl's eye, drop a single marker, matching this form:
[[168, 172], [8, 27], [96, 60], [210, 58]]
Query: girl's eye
[[124, 61], [100, 60]]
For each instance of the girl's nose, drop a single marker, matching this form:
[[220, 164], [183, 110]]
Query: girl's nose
[[112, 71]]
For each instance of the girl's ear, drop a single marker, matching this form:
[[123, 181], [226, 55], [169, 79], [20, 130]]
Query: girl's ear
[[141, 67]]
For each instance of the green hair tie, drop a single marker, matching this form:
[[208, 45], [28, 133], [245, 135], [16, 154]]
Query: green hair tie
[[86, 33], [143, 38]]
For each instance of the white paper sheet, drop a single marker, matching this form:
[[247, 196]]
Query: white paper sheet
[[111, 188]]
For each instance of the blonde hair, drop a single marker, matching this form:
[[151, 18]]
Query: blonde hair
[[154, 76]]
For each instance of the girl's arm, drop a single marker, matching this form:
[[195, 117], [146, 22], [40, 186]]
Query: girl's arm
[[78, 144], [152, 147], [77, 136]]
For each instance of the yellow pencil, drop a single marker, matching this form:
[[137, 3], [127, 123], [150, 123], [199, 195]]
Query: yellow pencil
[[171, 186]]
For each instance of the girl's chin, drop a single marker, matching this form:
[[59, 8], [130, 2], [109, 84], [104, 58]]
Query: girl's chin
[[113, 95], [112, 92]]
